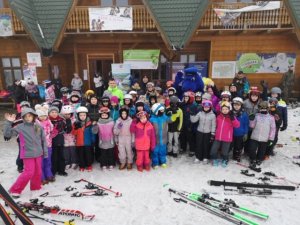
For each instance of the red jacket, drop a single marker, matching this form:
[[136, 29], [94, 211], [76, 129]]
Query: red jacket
[[144, 135], [224, 130]]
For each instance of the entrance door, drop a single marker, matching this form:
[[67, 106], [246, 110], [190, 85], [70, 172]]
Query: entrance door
[[99, 64]]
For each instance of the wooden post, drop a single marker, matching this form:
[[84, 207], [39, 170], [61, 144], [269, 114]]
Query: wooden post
[[76, 58]]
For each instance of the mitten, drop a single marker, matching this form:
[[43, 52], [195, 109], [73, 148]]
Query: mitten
[[77, 125]]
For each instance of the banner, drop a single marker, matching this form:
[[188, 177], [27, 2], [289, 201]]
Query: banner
[[29, 72], [265, 62], [227, 16], [223, 69], [34, 58], [202, 67], [121, 73], [142, 59], [110, 18], [5, 26]]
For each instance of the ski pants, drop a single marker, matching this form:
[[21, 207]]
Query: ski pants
[[58, 159], [85, 156], [173, 136], [187, 137], [32, 172], [203, 145], [107, 157], [238, 145], [47, 166], [257, 150], [70, 155], [159, 155], [125, 150], [225, 146], [270, 148], [19, 161], [142, 158]]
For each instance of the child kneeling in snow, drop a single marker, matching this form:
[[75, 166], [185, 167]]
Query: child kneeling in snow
[[144, 140], [33, 147]]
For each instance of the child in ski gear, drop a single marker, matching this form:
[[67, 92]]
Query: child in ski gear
[[60, 127], [205, 131], [104, 129], [226, 121], [105, 102], [124, 139], [134, 96], [19, 93], [174, 127], [240, 134], [114, 108], [128, 102], [75, 100], [44, 122], [160, 122], [233, 91], [99, 85], [76, 83], [281, 105], [264, 129], [82, 130], [33, 148], [145, 141], [49, 91], [64, 93], [69, 140]]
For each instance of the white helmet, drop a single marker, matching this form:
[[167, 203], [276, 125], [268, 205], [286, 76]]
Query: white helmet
[[157, 107], [82, 109], [67, 109], [133, 93], [128, 96], [226, 93], [238, 99]]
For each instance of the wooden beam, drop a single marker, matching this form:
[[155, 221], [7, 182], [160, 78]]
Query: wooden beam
[[76, 58]]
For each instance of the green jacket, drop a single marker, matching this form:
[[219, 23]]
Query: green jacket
[[117, 92]]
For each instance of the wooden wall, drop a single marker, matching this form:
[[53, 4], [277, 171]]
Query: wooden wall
[[97, 2]]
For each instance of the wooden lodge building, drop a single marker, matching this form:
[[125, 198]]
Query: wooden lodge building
[[188, 30]]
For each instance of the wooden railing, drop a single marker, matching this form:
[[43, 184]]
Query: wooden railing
[[271, 19], [79, 20], [16, 24]]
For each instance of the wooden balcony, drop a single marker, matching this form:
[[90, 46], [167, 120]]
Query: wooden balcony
[[79, 20], [273, 19], [16, 24]]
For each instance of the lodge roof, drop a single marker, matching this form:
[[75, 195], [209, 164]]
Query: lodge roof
[[177, 19], [42, 19], [295, 8]]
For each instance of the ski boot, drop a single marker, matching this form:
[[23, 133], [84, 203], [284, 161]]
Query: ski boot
[[147, 168], [164, 165], [140, 168], [215, 162], [122, 166], [205, 161], [224, 163], [129, 166], [90, 169], [81, 169], [175, 155]]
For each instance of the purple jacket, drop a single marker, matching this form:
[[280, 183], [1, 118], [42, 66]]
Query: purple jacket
[[264, 127], [104, 128]]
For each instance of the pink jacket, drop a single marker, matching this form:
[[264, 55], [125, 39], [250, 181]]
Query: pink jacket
[[224, 131], [48, 128], [70, 138], [50, 94]]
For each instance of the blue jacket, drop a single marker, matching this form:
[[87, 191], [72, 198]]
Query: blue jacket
[[114, 113], [244, 125], [281, 106], [160, 124]]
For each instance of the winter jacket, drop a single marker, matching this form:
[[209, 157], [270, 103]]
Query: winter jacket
[[60, 126], [83, 135], [177, 119], [50, 94], [224, 130], [48, 128], [114, 113], [250, 107], [93, 112], [69, 138], [116, 92], [144, 136], [98, 81], [283, 110], [160, 123], [207, 122], [19, 94], [122, 128], [187, 109], [76, 83], [244, 125], [264, 127], [242, 86], [31, 88], [32, 139], [104, 129], [277, 117]]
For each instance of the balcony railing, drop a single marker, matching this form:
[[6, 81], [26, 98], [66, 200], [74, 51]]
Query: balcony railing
[[79, 20], [272, 19]]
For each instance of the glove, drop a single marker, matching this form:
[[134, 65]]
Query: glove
[[120, 125], [231, 116], [283, 128], [6, 139], [212, 138], [251, 116], [245, 137], [270, 143], [77, 125]]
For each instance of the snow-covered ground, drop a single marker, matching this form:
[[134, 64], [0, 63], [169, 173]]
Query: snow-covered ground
[[145, 200]]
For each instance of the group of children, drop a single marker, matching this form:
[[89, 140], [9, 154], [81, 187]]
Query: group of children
[[73, 132]]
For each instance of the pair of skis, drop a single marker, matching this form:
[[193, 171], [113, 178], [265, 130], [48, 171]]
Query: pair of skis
[[224, 209]]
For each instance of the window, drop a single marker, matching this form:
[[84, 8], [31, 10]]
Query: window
[[121, 2], [106, 3], [11, 70], [187, 58]]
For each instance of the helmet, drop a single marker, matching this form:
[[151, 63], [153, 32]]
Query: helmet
[[128, 96], [206, 96], [25, 103], [104, 110], [276, 90], [82, 109], [141, 114], [139, 103], [67, 109], [172, 89], [169, 83], [174, 99], [206, 103], [133, 93], [89, 92], [254, 91], [64, 90], [226, 104], [238, 100], [198, 94], [263, 105], [75, 94], [150, 84], [157, 107], [273, 100], [225, 94]]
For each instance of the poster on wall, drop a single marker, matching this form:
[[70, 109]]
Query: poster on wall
[[121, 73], [5, 26], [34, 58], [201, 65], [223, 69], [110, 18], [142, 59], [265, 62], [29, 72]]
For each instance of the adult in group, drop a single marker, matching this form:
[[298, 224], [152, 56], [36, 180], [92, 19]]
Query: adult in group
[[76, 83], [57, 85], [113, 90], [145, 81], [242, 84], [98, 81], [19, 93], [287, 83]]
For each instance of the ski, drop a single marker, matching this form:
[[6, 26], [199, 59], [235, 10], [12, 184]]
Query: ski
[[223, 212], [250, 185], [228, 202], [251, 167], [35, 205], [116, 193], [296, 163], [271, 174], [47, 194], [98, 192]]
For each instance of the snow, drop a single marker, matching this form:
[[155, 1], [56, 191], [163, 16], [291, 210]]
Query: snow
[[145, 200]]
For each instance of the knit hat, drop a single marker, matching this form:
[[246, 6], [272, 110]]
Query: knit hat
[[53, 108], [114, 99], [41, 110], [26, 111], [24, 103]]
